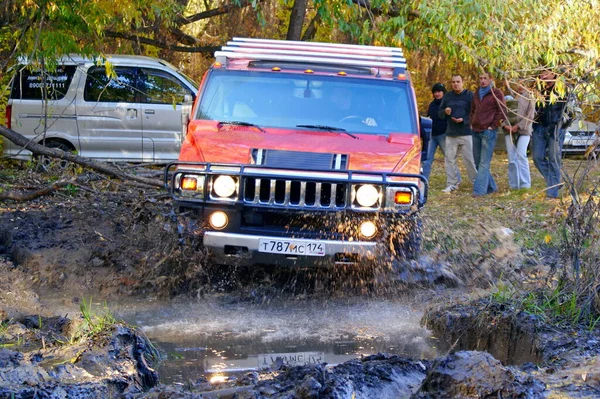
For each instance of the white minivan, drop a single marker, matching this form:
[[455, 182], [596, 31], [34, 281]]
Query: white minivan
[[127, 109]]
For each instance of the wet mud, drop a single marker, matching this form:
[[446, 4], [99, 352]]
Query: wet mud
[[110, 247]]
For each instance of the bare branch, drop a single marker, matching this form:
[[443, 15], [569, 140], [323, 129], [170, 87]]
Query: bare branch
[[159, 44], [214, 12], [30, 195], [102, 167]]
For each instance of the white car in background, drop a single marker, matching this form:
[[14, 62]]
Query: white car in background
[[580, 136], [130, 112]]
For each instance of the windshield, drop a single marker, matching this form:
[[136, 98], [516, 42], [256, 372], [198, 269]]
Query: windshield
[[284, 100]]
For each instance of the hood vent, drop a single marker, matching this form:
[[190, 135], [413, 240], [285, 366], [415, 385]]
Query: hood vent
[[299, 160]]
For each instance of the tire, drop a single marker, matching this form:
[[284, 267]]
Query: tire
[[46, 163], [407, 237]]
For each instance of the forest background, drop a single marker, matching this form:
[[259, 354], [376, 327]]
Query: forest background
[[511, 38]]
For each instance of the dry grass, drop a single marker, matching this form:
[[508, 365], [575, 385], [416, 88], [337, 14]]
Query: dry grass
[[499, 235]]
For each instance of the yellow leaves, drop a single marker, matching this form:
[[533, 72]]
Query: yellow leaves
[[547, 238]]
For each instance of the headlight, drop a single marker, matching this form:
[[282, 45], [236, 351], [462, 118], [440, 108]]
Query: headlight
[[224, 186], [367, 195]]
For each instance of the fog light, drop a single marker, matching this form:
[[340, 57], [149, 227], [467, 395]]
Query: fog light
[[403, 197], [368, 229], [218, 220]]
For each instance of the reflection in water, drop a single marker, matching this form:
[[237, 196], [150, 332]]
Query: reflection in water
[[214, 339]]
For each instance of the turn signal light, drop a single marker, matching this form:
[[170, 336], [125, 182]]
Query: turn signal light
[[189, 183], [403, 197]]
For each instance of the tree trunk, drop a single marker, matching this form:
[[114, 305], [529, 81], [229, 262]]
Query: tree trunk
[[296, 20]]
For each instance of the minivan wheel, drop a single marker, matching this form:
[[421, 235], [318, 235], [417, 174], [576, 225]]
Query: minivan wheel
[[46, 163]]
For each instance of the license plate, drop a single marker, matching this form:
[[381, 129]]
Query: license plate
[[291, 247], [291, 359], [581, 142]]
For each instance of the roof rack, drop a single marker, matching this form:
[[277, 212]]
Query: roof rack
[[312, 52]]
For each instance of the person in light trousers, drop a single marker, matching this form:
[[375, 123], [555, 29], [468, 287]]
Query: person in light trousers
[[518, 128]]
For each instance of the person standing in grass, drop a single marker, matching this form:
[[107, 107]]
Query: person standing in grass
[[454, 108], [487, 115], [438, 128], [518, 127], [549, 133]]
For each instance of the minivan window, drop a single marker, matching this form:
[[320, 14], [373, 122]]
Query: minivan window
[[159, 87], [290, 100], [102, 88], [30, 85]]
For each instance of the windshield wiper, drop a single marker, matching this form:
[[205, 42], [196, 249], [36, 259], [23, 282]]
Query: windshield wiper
[[329, 128], [240, 123]]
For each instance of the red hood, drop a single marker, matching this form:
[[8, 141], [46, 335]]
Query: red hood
[[207, 141]]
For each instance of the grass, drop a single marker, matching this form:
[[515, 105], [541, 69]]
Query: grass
[[558, 306], [460, 230], [533, 219], [96, 322]]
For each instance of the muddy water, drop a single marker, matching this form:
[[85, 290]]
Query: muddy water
[[217, 339]]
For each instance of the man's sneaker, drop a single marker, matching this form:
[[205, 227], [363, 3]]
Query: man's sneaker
[[449, 189]]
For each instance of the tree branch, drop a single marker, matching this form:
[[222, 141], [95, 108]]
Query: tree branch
[[366, 4], [214, 12], [30, 195], [102, 167], [159, 44]]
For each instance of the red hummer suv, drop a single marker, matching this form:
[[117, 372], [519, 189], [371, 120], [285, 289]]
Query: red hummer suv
[[303, 154]]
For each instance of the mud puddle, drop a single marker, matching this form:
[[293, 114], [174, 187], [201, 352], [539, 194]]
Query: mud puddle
[[217, 339]]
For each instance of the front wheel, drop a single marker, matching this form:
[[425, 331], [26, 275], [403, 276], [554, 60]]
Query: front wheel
[[46, 163], [405, 237]]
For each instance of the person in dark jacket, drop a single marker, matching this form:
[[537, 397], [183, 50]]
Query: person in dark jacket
[[438, 128], [549, 134], [454, 108], [487, 115]]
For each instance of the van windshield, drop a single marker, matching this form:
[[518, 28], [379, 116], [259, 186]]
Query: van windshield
[[287, 100]]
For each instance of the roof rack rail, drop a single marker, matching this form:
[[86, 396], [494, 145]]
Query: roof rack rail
[[301, 53], [315, 44], [311, 52]]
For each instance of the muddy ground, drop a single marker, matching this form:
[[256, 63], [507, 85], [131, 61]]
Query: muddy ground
[[130, 243]]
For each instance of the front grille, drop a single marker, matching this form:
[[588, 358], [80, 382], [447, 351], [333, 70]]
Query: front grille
[[294, 193], [299, 159]]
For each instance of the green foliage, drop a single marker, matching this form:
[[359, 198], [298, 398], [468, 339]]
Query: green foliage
[[503, 292], [560, 305], [96, 323], [4, 326], [71, 190], [51, 29]]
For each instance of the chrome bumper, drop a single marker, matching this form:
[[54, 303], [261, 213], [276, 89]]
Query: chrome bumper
[[243, 250]]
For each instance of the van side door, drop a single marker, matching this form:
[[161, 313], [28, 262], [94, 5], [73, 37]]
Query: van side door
[[162, 96], [109, 117]]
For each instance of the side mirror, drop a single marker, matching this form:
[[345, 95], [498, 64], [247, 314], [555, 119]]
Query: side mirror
[[186, 110]]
